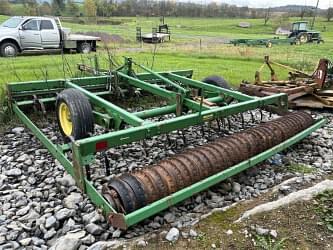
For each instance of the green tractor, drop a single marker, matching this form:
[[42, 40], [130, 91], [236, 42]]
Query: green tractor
[[302, 34]]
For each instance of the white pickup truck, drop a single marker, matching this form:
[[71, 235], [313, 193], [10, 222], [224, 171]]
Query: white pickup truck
[[19, 34]]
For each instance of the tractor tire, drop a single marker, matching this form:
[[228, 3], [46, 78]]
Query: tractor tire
[[74, 115], [217, 81], [303, 38], [8, 49], [84, 48]]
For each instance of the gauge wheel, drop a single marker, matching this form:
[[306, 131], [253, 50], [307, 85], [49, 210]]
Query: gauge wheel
[[74, 114], [8, 49]]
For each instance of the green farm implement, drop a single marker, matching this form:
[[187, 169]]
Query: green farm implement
[[299, 34], [268, 42], [80, 103]]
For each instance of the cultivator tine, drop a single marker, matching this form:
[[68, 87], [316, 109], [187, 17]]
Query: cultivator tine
[[182, 133], [202, 131], [218, 124], [252, 116], [88, 172], [38, 105], [144, 146], [229, 123], [261, 115], [242, 119], [107, 164]]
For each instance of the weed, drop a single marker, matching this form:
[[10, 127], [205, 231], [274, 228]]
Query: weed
[[324, 208], [267, 243], [5, 114], [300, 168]]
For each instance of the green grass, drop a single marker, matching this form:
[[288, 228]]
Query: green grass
[[324, 208], [183, 52]]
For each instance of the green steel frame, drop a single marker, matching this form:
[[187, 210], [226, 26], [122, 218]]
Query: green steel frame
[[177, 92]]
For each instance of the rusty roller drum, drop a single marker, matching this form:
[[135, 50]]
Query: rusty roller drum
[[132, 191]]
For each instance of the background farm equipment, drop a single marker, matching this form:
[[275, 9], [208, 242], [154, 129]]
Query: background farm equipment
[[131, 197], [302, 34], [299, 34], [313, 90], [158, 35], [268, 42]]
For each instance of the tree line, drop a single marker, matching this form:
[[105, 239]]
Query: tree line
[[107, 8]]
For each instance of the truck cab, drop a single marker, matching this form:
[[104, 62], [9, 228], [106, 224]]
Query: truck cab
[[18, 34]]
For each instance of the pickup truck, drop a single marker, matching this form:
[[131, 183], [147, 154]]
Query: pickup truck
[[19, 34]]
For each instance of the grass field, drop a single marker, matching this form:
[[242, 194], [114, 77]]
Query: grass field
[[197, 44]]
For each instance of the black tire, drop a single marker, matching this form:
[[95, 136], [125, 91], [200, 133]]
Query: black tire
[[66, 51], [303, 37], [217, 81], [81, 114], [8, 46], [84, 48]]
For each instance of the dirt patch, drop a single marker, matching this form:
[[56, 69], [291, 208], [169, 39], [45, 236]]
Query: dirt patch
[[298, 226], [105, 37]]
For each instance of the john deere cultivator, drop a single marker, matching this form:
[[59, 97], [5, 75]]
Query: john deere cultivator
[[130, 198]]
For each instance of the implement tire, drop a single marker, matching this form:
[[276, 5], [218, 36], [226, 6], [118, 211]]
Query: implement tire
[[217, 81], [74, 114]]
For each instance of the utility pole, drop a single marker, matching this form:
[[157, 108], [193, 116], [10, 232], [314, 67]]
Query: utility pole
[[314, 15]]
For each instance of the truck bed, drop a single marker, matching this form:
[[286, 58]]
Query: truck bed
[[78, 37]]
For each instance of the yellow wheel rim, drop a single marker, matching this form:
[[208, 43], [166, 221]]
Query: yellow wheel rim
[[65, 119]]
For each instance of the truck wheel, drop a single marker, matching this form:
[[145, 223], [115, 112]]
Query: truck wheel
[[74, 114], [8, 49], [84, 48]]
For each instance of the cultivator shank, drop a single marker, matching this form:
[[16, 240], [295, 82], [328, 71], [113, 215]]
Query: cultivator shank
[[134, 196]]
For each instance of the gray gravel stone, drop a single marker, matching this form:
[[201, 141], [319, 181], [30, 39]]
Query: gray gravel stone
[[49, 234], [273, 233], [193, 233], [18, 130], [67, 243], [94, 229], [261, 231], [13, 172], [88, 240], [116, 234], [73, 200], [141, 243], [23, 211], [172, 235], [64, 213], [169, 217], [236, 187], [25, 242], [50, 222]]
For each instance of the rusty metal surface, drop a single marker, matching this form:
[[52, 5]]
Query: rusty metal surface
[[132, 191]]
